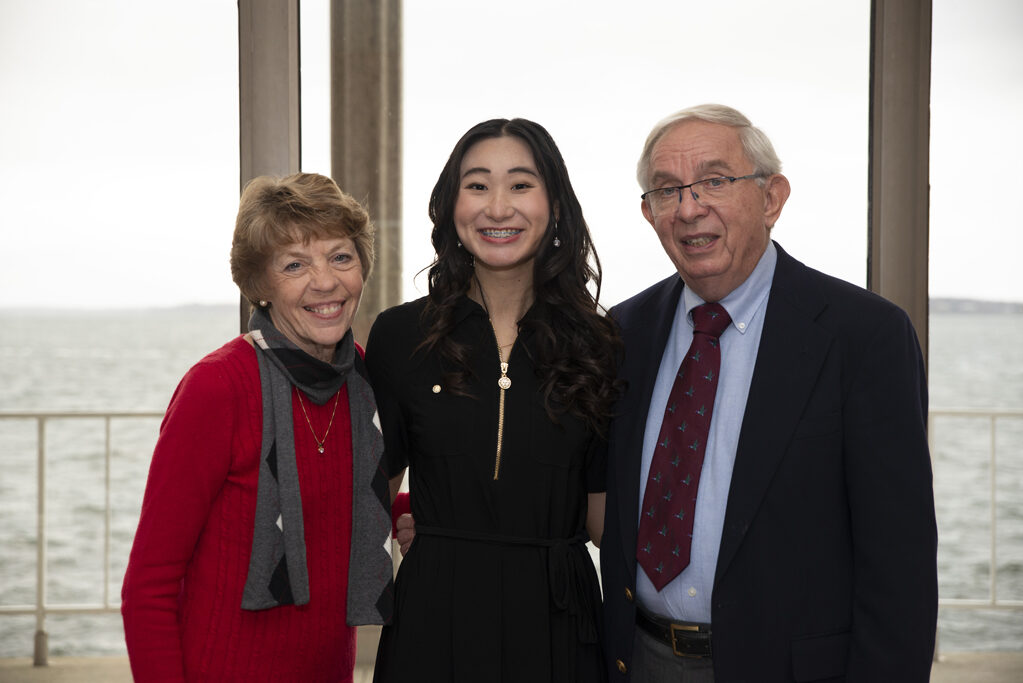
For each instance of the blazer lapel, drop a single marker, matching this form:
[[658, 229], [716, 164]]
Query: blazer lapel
[[645, 339], [792, 349]]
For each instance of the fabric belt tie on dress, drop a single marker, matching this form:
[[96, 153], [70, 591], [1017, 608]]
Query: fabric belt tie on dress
[[566, 571]]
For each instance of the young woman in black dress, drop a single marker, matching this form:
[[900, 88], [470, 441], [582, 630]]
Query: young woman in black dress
[[496, 390]]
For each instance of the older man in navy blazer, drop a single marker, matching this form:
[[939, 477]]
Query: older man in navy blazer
[[811, 555]]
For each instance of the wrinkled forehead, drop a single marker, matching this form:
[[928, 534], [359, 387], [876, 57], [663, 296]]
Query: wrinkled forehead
[[696, 147]]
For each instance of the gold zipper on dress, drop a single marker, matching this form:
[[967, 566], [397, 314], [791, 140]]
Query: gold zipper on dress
[[503, 383]]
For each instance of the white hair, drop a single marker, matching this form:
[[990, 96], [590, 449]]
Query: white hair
[[755, 143]]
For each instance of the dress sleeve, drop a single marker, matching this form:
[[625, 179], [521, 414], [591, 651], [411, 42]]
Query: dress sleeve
[[385, 360], [596, 465], [189, 466]]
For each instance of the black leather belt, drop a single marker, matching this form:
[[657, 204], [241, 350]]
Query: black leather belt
[[685, 639]]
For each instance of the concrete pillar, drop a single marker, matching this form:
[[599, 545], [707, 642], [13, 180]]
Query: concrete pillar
[[899, 185], [268, 93], [366, 120]]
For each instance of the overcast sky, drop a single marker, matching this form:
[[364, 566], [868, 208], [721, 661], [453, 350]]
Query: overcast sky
[[119, 133]]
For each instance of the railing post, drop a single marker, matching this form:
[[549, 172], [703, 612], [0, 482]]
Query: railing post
[[107, 514], [992, 475], [42, 644]]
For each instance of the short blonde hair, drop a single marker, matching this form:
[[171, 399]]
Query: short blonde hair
[[275, 212]]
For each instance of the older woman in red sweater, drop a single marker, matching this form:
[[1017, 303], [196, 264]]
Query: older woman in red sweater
[[263, 535]]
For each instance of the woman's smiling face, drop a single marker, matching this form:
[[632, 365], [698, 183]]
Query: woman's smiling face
[[315, 291], [502, 210]]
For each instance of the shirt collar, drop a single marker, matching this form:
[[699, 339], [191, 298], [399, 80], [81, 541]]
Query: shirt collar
[[745, 301], [466, 308]]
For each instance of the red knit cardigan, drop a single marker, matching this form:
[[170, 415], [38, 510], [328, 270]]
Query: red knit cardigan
[[183, 586]]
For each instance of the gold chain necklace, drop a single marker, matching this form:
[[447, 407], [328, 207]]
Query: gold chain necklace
[[319, 441]]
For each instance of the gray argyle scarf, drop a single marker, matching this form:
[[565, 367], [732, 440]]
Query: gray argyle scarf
[[277, 566]]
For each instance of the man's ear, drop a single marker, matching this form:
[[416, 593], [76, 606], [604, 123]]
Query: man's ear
[[647, 214], [776, 193]]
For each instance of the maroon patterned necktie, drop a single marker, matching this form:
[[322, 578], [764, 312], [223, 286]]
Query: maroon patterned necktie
[[669, 502]]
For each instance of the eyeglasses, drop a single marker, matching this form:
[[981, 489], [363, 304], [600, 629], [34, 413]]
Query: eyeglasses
[[707, 192]]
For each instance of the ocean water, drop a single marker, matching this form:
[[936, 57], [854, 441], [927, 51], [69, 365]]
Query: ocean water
[[132, 361], [112, 361], [976, 362]]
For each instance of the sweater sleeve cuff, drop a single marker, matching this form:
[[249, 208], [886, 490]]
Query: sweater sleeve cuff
[[399, 507]]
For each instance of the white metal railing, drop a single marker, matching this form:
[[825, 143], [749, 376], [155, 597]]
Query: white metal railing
[[992, 416], [992, 601], [41, 609]]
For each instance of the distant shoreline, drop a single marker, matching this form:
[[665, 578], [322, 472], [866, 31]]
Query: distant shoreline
[[937, 305], [114, 310], [943, 305]]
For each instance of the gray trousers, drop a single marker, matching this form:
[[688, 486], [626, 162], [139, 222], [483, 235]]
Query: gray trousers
[[654, 662]]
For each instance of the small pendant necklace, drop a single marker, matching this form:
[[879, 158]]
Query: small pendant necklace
[[318, 440], [503, 383]]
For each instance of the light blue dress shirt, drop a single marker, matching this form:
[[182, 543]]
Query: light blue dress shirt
[[688, 596]]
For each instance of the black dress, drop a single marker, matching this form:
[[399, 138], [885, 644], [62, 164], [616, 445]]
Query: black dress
[[497, 585]]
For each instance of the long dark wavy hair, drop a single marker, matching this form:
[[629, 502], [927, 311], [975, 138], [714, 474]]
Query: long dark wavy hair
[[575, 346]]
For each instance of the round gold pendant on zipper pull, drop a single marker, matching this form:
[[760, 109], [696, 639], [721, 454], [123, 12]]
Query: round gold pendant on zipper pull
[[504, 382]]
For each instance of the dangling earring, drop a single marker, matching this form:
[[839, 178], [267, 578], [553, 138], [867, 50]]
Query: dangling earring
[[557, 242], [472, 260]]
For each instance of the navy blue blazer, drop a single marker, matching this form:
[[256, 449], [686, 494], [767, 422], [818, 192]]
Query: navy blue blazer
[[827, 567]]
